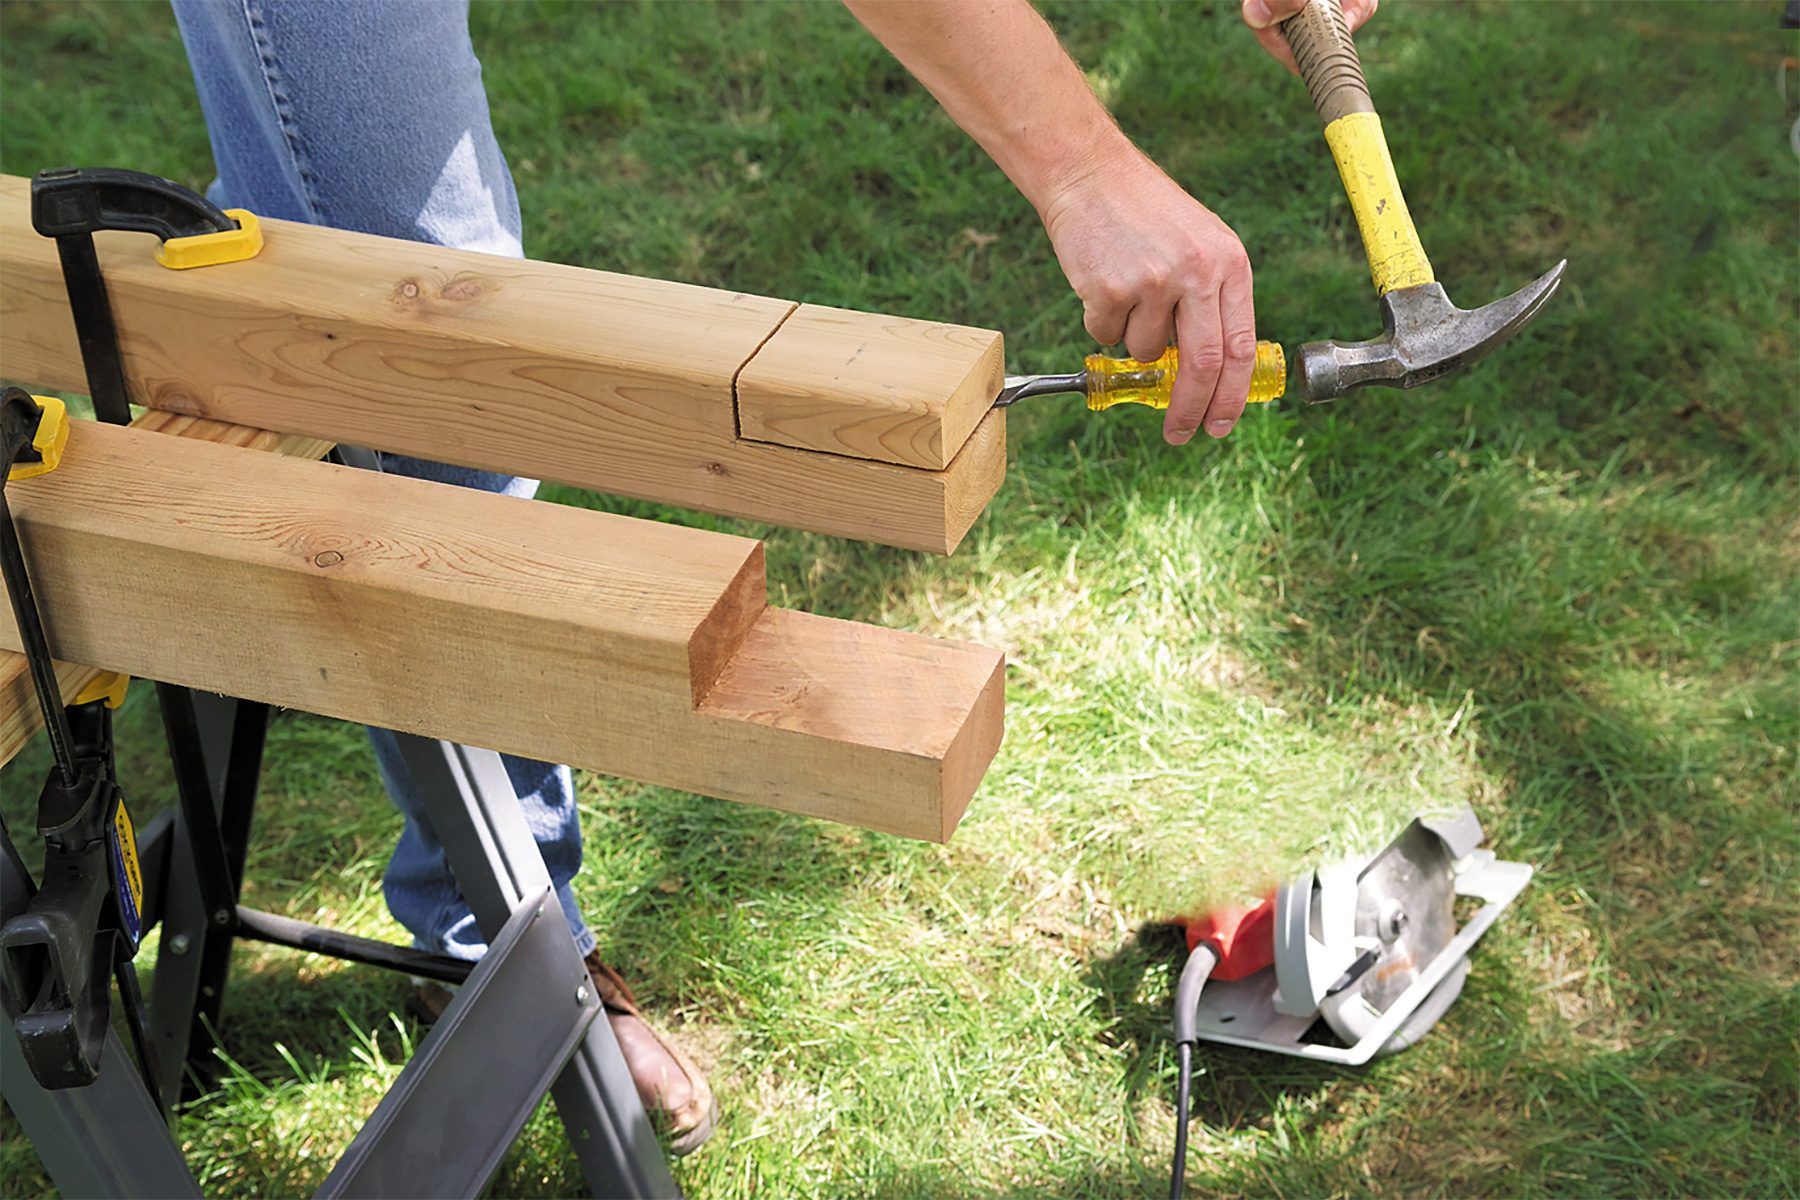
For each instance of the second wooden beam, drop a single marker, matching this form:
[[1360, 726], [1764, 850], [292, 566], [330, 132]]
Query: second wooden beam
[[633, 648]]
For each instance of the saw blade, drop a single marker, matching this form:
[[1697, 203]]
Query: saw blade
[[1405, 917]]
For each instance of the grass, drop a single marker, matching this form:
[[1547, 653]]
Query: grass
[[1560, 587]]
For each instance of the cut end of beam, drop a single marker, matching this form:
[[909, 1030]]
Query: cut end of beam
[[628, 647]]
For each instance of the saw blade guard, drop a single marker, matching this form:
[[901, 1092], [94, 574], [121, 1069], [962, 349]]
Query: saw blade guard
[[1367, 957], [1314, 937], [1404, 918]]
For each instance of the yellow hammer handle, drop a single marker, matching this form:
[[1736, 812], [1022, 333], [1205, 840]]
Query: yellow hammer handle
[[1333, 73], [1113, 381]]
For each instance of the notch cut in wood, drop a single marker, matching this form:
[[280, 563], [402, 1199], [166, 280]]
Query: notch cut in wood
[[633, 648]]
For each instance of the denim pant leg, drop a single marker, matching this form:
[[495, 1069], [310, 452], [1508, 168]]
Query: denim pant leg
[[370, 115]]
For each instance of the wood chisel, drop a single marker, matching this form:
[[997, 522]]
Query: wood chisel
[[1108, 381]]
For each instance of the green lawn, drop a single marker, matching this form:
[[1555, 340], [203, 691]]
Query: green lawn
[[1561, 588]]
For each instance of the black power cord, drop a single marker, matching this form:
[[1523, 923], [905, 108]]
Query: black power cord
[[1200, 963]]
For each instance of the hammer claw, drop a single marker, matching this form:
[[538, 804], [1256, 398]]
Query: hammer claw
[[1426, 338]]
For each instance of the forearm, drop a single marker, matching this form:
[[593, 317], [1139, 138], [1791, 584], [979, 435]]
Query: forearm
[[998, 70]]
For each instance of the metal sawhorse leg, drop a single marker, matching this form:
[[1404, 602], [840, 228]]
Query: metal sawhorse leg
[[525, 1020]]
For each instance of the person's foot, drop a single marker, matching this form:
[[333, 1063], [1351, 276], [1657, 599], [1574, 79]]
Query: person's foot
[[671, 1088]]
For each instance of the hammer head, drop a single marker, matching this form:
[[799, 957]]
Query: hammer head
[[1427, 337]]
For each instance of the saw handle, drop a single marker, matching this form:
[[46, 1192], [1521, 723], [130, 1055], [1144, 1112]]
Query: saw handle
[[1321, 43]]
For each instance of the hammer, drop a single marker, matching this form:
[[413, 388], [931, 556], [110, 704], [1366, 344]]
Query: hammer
[[1426, 336]]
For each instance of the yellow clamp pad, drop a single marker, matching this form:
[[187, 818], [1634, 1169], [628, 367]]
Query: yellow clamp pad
[[1396, 258], [52, 435], [108, 686], [211, 249]]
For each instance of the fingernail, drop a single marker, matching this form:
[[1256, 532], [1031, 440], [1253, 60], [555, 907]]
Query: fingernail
[[1179, 437], [1220, 427], [1256, 14]]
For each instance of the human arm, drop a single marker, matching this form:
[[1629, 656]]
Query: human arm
[[1147, 260]]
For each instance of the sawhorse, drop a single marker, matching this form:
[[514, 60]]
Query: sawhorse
[[524, 1021]]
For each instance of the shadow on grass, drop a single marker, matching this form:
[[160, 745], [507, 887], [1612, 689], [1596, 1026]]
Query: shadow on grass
[[701, 901]]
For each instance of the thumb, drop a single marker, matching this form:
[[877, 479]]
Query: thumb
[[1260, 14]]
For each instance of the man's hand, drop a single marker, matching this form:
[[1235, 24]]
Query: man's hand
[[1264, 17], [1150, 262]]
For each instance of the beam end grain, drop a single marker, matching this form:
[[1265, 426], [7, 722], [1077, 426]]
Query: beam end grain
[[973, 477], [869, 386]]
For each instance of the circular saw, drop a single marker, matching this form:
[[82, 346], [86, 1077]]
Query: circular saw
[[1354, 960]]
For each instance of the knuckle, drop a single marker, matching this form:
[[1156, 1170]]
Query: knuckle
[[1237, 261], [1206, 361], [1240, 345]]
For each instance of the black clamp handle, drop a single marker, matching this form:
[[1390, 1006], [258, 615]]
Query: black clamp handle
[[79, 931], [67, 201]]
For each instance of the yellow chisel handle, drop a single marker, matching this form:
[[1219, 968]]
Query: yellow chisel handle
[[1321, 43], [1113, 381]]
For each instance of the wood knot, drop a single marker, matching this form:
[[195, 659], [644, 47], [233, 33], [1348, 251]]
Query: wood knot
[[327, 558], [715, 468], [464, 288], [426, 295]]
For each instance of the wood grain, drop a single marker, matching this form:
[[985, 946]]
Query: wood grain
[[929, 720], [587, 378], [633, 648], [871, 386], [19, 716]]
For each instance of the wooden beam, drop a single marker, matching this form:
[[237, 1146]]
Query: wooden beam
[[869, 386], [597, 380], [633, 648], [19, 716]]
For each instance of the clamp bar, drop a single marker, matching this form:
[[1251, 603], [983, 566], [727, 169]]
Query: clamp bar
[[21, 424]]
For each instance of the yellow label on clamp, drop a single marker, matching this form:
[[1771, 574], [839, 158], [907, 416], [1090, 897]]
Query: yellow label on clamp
[[52, 435], [211, 249], [108, 686], [128, 875]]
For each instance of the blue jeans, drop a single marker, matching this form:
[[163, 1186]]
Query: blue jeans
[[370, 115]]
